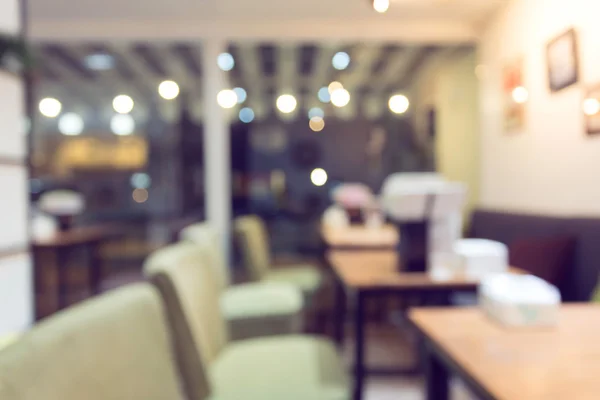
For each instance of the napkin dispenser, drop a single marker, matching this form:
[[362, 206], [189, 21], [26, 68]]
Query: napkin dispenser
[[426, 210], [481, 257], [519, 300]]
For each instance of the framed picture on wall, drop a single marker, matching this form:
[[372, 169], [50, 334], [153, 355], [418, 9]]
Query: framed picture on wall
[[591, 110], [563, 61]]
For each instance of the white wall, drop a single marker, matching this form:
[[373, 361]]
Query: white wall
[[449, 84], [16, 293], [551, 166]]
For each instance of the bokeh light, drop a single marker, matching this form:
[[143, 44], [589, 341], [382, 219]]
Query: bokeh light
[[341, 60], [50, 107], [241, 94], [316, 112], [324, 95], [381, 6], [168, 90], [246, 115], [140, 180], [317, 124], [227, 98], [591, 106], [318, 177], [520, 95], [70, 124], [333, 86], [398, 104], [123, 104], [140, 195], [122, 124], [286, 103], [225, 61], [340, 97]]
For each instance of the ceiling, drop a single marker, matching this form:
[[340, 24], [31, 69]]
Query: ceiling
[[429, 20], [466, 10], [264, 70]]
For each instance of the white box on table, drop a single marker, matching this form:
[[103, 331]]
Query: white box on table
[[519, 300]]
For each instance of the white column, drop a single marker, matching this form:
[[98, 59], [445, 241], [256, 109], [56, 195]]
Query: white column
[[217, 153], [16, 280]]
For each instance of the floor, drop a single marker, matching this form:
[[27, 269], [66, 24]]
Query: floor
[[390, 345]]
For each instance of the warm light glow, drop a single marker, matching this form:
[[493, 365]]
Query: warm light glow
[[316, 124], [286, 103], [324, 95], [122, 124], [520, 95], [70, 124], [227, 98], [381, 6], [341, 60], [318, 177], [333, 86], [399, 104], [123, 104], [241, 94], [168, 90], [225, 61], [591, 106], [316, 112], [246, 115], [340, 97], [140, 195], [50, 107]]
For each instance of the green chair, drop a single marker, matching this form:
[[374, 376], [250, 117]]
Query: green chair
[[8, 339], [251, 309], [253, 241], [290, 367], [116, 347]]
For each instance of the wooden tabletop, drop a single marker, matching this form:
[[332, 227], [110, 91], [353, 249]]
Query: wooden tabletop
[[79, 236], [379, 270], [360, 236], [513, 364]]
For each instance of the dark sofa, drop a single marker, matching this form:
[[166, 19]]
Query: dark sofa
[[507, 227]]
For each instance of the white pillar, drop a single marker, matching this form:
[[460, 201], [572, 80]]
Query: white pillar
[[16, 271], [217, 152]]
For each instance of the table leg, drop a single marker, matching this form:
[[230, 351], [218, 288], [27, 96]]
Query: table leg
[[436, 376], [62, 266], [339, 314], [359, 343], [95, 272]]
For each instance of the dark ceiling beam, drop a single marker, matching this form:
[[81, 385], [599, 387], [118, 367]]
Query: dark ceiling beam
[[189, 57], [416, 64], [63, 55], [152, 62]]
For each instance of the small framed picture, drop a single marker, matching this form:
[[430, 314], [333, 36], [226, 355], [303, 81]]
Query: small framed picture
[[591, 110], [563, 61]]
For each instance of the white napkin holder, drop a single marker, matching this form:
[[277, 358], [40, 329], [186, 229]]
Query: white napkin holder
[[481, 257], [519, 300]]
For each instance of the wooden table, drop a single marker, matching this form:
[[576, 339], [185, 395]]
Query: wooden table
[[62, 244], [512, 364], [359, 237], [369, 274]]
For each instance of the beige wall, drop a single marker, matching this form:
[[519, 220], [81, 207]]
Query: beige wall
[[551, 166], [449, 84], [15, 266]]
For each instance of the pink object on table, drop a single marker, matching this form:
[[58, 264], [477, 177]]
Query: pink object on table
[[353, 196]]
